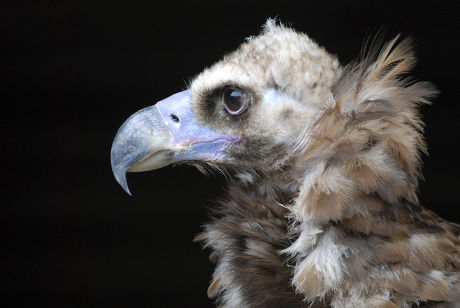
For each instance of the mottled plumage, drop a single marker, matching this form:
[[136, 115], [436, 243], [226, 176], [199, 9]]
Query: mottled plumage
[[322, 207]]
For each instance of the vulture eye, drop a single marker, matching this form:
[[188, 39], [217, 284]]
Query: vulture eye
[[235, 102]]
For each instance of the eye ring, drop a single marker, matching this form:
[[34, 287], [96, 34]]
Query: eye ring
[[235, 100]]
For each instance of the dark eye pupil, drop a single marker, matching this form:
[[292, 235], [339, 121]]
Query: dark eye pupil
[[233, 101]]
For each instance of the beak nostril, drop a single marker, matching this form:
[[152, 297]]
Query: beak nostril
[[174, 117]]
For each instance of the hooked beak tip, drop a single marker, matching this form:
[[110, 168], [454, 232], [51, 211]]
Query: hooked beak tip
[[120, 176], [124, 185]]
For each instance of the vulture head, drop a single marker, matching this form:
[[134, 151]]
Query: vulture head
[[321, 209], [252, 112]]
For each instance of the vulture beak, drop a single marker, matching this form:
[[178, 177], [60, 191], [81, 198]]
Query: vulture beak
[[163, 134]]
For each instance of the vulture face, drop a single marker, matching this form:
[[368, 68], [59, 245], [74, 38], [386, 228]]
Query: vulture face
[[253, 111]]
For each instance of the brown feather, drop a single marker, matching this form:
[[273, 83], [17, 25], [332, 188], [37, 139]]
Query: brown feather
[[437, 290], [214, 287], [309, 281], [393, 252]]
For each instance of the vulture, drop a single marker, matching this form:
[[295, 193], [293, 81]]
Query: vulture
[[323, 161]]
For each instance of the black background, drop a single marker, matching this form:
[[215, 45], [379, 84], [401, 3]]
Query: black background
[[75, 70]]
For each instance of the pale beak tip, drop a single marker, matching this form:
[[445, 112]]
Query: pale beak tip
[[119, 167], [124, 185], [120, 176]]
